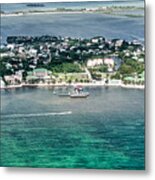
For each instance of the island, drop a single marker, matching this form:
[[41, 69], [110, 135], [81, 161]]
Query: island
[[125, 11], [61, 61]]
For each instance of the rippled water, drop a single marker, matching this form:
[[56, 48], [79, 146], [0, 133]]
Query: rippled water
[[71, 5], [41, 129], [106, 130], [74, 25]]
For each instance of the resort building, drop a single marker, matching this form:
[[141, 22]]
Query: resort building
[[13, 79], [110, 63], [39, 75], [140, 79], [94, 62]]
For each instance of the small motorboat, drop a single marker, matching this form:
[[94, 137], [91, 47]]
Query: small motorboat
[[79, 95]]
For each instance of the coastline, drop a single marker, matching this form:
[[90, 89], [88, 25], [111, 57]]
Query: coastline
[[68, 12], [43, 13], [114, 10], [99, 84]]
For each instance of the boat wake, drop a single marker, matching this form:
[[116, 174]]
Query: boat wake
[[36, 114]]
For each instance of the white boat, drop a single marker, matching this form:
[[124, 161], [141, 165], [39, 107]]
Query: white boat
[[79, 95]]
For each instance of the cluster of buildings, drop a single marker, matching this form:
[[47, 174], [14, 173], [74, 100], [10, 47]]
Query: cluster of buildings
[[28, 59], [109, 62]]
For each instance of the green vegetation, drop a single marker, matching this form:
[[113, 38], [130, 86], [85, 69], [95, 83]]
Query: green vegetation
[[66, 68], [96, 76], [117, 75], [130, 67], [3, 69], [68, 59], [103, 68], [3, 50]]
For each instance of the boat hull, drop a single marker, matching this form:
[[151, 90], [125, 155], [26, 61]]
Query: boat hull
[[85, 95], [64, 95]]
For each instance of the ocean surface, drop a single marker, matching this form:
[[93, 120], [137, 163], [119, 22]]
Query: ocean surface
[[41, 129], [74, 25], [13, 7]]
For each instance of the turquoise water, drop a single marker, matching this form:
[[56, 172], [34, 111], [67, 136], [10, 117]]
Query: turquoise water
[[104, 131], [40, 129]]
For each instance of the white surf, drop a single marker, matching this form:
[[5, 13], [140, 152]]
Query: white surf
[[37, 114]]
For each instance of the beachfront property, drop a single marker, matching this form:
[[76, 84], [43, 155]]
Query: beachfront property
[[140, 79], [94, 62], [50, 59], [14, 79], [39, 75], [109, 62]]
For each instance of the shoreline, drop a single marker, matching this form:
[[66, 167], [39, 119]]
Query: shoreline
[[100, 84], [114, 10], [69, 12], [43, 13]]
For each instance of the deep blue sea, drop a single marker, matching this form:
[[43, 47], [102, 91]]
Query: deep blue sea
[[106, 130]]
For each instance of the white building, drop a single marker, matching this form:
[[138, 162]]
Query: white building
[[109, 62], [13, 79], [11, 46], [95, 40], [119, 43], [94, 62], [33, 52], [2, 84]]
